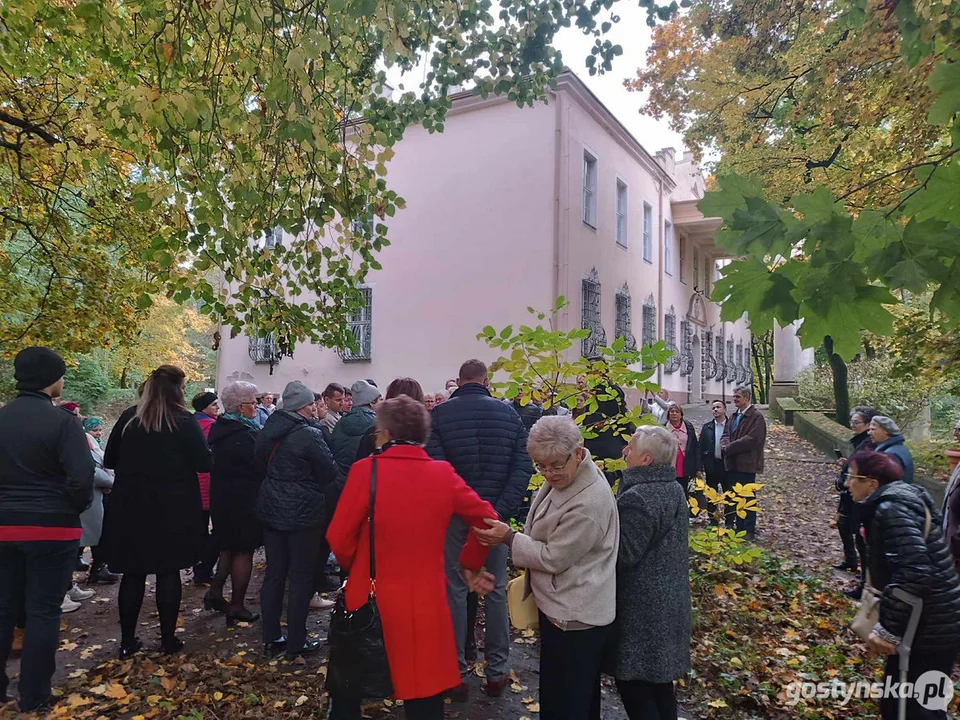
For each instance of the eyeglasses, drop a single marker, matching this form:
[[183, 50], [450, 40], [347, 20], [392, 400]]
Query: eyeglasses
[[858, 477], [554, 469], [246, 403]]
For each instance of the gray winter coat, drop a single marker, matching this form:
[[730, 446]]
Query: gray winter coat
[[91, 519], [652, 634]]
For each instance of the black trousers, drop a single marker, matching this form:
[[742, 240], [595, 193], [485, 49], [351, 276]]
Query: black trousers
[[34, 575], [570, 671], [648, 701], [749, 523], [293, 555], [719, 480], [203, 570], [430, 708], [919, 664], [130, 599]]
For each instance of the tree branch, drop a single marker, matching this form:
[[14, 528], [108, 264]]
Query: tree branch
[[29, 127]]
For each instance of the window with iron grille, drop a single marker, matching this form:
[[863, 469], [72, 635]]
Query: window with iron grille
[[696, 268], [710, 360], [589, 189], [590, 315], [741, 362], [363, 226], [360, 323], [649, 329], [273, 238], [686, 348], [670, 336], [647, 233], [621, 214], [731, 366], [263, 350], [706, 276], [682, 257], [623, 327], [721, 365]]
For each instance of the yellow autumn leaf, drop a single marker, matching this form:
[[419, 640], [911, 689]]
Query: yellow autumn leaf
[[717, 704], [301, 700], [115, 691], [218, 696]]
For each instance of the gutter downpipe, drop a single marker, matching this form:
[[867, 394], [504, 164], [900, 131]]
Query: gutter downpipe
[[660, 248], [561, 261]]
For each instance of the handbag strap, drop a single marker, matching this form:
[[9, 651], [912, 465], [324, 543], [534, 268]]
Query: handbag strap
[[373, 500]]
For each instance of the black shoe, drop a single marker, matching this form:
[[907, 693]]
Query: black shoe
[[202, 580], [244, 615], [101, 574], [274, 648], [309, 648], [171, 646], [459, 694], [214, 602], [39, 708], [846, 565], [854, 594], [131, 649], [81, 566]]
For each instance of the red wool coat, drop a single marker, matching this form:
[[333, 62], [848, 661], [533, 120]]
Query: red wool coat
[[416, 498]]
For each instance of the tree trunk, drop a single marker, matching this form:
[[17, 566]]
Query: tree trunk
[[123, 377], [841, 393], [762, 359]]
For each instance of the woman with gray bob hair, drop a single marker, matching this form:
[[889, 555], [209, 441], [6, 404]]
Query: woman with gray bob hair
[[569, 550], [886, 435], [650, 647], [234, 487]]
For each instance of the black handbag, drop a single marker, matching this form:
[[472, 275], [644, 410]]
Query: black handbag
[[358, 665]]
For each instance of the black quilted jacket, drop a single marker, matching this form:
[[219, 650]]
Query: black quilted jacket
[[299, 469], [486, 442], [898, 556]]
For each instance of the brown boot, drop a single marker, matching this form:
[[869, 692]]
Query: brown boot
[[17, 642]]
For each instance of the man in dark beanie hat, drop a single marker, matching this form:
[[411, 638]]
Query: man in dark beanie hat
[[46, 481]]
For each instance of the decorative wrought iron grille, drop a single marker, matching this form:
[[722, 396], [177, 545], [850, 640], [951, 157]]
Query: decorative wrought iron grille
[[709, 360], [670, 335], [360, 323], [731, 366], [721, 365], [649, 324], [590, 315], [686, 348], [623, 326], [263, 350]]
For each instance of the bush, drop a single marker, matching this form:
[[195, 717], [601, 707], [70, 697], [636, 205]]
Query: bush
[[88, 384], [871, 383]]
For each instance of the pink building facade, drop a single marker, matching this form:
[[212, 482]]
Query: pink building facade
[[509, 208]]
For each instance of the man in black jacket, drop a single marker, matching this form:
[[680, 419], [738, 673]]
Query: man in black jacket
[[711, 461], [46, 481], [485, 441]]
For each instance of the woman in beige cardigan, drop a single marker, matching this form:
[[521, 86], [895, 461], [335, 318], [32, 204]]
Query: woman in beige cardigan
[[569, 549]]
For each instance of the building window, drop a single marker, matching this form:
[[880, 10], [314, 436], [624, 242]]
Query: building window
[[721, 365], [731, 367], [670, 336], [590, 315], [682, 257], [706, 276], [668, 247], [696, 268], [649, 328], [621, 214], [360, 323], [263, 350], [589, 189], [686, 348], [363, 226], [273, 239], [647, 233], [624, 325]]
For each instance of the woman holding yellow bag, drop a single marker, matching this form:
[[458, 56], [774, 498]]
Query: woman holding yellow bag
[[569, 549]]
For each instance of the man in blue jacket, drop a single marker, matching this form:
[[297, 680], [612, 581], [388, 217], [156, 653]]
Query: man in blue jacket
[[486, 442]]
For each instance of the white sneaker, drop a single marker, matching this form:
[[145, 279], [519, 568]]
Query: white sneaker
[[320, 603], [68, 605], [76, 594]]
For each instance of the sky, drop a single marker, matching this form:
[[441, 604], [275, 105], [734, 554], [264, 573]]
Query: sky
[[633, 35]]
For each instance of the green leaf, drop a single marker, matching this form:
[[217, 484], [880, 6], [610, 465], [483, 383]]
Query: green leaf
[[758, 228], [362, 8], [945, 82], [939, 199], [731, 196], [818, 206], [748, 286]]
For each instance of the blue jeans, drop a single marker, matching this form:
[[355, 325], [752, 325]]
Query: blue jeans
[[749, 523], [35, 575], [498, 621]]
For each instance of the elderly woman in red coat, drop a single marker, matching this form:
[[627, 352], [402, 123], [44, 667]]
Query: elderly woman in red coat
[[416, 497]]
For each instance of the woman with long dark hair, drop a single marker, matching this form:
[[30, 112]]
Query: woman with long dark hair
[[154, 522]]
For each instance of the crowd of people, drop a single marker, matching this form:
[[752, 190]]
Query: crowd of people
[[417, 499]]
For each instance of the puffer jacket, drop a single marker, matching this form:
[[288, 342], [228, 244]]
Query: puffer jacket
[[299, 469], [347, 435], [486, 442], [895, 446], [899, 557]]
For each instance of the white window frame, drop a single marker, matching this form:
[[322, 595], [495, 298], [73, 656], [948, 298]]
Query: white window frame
[[648, 233], [273, 238], [590, 163], [622, 212], [668, 248], [360, 323]]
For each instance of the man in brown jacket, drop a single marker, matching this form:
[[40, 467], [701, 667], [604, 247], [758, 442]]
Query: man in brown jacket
[[743, 441]]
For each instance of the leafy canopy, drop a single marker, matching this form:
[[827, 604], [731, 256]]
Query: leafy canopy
[[150, 146]]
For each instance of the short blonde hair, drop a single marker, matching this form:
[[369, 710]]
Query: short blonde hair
[[657, 441], [554, 436]]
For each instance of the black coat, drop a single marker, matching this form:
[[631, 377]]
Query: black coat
[[708, 438], [46, 469], [485, 441], [860, 441], [609, 443], [154, 519], [299, 469], [234, 485], [529, 413], [898, 557]]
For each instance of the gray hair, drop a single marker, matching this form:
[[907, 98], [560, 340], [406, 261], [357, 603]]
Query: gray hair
[[236, 393], [554, 436], [882, 421], [744, 390], [656, 440]]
